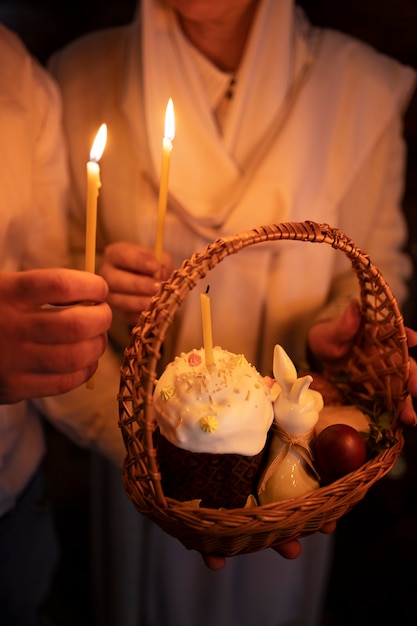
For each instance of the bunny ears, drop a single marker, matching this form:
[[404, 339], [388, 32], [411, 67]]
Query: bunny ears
[[295, 390]]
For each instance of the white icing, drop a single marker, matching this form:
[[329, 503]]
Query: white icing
[[225, 408]]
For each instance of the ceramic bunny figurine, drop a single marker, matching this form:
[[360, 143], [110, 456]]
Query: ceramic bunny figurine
[[289, 472]]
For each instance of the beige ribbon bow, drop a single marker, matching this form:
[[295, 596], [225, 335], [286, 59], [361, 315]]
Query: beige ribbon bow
[[299, 443]]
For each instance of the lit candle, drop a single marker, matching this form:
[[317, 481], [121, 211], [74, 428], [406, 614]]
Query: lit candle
[[169, 133], [93, 186], [207, 330]]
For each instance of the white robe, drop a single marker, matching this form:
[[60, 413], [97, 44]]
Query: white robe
[[333, 152]]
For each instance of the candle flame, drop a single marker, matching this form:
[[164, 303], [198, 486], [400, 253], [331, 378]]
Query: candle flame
[[99, 144], [169, 132]]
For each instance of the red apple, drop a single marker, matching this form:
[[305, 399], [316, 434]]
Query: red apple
[[339, 450]]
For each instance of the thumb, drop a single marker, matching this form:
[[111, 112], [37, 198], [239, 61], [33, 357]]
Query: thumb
[[347, 325], [332, 339], [411, 337]]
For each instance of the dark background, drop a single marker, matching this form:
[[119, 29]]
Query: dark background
[[373, 578]]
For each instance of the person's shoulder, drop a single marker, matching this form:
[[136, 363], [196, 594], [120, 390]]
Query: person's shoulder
[[21, 75], [90, 49], [356, 56], [13, 51], [358, 64]]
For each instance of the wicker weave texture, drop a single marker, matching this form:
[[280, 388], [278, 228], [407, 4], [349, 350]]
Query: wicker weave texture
[[379, 367]]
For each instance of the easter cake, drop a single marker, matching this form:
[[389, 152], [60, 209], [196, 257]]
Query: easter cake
[[213, 423]]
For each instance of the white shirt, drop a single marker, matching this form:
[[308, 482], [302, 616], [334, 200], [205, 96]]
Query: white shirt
[[33, 182]]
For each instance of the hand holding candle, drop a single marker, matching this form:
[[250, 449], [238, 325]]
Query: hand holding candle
[[93, 186], [169, 134], [207, 330]]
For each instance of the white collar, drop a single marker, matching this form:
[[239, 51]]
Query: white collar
[[207, 169]]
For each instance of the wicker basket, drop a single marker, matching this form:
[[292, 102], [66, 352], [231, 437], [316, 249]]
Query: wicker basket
[[381, 372]]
